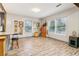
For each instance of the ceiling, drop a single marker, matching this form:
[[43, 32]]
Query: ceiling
[[46, 9]]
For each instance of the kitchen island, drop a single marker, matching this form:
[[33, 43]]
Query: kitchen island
[[5, 43]]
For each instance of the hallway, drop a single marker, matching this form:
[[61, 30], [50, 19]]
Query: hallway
[[38, 47]]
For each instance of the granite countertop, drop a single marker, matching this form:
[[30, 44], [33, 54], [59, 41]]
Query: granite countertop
[[2, 37], [4, 33]]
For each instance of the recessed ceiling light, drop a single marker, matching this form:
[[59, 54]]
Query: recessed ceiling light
[[36, 10]]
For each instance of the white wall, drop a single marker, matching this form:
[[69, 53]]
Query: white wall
[[10, 24], [72, 23]]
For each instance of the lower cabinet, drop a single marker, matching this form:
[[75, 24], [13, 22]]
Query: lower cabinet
[[2, 46]]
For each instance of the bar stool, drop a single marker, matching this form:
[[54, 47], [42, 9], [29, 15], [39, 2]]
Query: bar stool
[[15, 39]]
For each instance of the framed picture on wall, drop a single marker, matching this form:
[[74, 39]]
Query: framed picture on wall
[[20, 24], [15, 26], [21, 27]]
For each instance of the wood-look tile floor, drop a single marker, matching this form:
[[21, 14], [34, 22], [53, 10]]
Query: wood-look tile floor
[[40, 47]]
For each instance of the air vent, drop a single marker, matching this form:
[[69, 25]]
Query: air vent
[[58, 5]]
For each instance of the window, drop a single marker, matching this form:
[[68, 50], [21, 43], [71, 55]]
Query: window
[[2, 24], [61, 26], [52, 26], [57, 26], [0, 20], [36, 26], [28, 25]]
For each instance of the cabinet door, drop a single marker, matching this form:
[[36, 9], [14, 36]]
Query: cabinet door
[[1, 47]]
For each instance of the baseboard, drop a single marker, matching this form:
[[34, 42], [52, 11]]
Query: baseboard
[[25, 37], [47, 37], [58, 40]]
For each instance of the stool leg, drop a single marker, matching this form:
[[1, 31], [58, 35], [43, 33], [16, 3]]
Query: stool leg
[[17, 43], [12, 45]]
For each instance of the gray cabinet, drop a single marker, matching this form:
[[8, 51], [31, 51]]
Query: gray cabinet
[[74, 41]]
